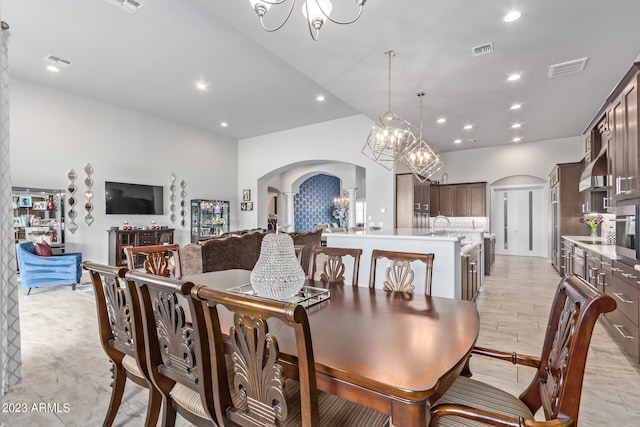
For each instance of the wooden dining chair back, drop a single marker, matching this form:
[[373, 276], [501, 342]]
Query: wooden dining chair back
[[258, 325], [328, 264], [557, 384], [175, 352], [299, 251], [399, 274], [160, 260], [122, 337]]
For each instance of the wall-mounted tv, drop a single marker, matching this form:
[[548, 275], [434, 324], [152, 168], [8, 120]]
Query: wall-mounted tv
[[133, 199]]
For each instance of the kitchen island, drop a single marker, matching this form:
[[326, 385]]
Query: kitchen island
[[446, 246]]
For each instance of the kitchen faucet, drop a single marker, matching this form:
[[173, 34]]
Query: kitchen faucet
[[433, 223]]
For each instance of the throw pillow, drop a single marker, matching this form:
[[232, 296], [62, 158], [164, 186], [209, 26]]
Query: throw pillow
[[43, 249]]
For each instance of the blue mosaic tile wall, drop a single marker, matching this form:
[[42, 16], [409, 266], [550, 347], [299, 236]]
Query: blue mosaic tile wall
[[314, 202]]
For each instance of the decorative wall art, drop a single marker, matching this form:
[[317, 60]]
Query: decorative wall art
[[172, 197], [71, 201], [183, 204], [246, 206], [246, 195], [88, 194], [25, 201]]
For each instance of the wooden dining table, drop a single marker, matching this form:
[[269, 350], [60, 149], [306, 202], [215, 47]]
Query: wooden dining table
[[393, 352]]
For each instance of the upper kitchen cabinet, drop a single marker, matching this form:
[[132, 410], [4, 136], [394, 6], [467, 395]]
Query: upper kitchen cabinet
[[459, 199], [625, 136]]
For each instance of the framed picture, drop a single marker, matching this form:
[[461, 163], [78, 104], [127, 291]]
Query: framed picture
[[246, 206], [40, 206], [249, 206], [246, 195], [25, 201], [17, 222]]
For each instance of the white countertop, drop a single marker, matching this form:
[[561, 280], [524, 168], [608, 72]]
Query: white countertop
[[407, 233], [598, 247]]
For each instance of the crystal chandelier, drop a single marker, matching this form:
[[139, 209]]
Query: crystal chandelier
[[316, 12], [391, 136], [421, 159]]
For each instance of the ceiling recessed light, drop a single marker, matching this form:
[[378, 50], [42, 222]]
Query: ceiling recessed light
[[320, 98], [516, 107], [467, 127], [512, 16], [53, 68], [516, 126], [457, 141], [224, 124], [201, 86], [442, 120], [517, 139], [513, 77]]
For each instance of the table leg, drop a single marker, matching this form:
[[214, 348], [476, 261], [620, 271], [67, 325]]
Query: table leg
[[409, 415]]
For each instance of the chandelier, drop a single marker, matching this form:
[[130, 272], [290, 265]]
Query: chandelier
[[420, 158], [391, 136], [316, 12]]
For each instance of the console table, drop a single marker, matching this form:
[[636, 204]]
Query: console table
[[119, 239]]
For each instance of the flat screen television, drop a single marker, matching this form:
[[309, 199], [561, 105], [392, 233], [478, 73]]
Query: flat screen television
[[133, 199]]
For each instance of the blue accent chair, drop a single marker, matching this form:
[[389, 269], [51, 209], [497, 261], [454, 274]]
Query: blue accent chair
[[36, 271]]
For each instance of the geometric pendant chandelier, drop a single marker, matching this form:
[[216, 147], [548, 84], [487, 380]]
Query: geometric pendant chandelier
[[421, 159], [391, 136]]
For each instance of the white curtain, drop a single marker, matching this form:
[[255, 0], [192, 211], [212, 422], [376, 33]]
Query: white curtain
[[10, 356]]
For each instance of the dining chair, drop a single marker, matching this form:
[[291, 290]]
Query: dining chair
[[177, 359], [300, 251], [557, 383], [122, 337], [399, 274], [160, 260], [274, 399], [332, 265]]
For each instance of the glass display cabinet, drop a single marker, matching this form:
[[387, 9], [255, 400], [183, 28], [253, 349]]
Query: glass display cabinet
[[209, 218], [38, 215]]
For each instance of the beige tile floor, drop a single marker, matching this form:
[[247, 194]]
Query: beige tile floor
[[63, 362]]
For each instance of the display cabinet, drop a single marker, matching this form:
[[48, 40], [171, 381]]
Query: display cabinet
[[38, 215], [119, 239], [209, 218]]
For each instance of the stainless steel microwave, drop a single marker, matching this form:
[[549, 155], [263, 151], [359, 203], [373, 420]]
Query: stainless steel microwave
[[627, 233]]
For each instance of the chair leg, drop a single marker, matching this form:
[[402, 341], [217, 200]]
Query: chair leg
[[168, 413], [153, 407], [119, 379], [27, 291], [73, 287]]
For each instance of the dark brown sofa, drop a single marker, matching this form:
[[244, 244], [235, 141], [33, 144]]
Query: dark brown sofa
[[243, 250]]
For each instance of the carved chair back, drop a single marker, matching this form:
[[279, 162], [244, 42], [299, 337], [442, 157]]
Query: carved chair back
[[175, 346], [557, 385], [121, 333], [399, 274], [258, 382], [160, 260], [299, 250], [333, 267]]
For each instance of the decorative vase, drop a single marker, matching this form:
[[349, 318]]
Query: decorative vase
[[594, 233], [277, 274]]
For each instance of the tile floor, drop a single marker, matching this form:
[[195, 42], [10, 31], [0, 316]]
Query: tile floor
[[63, 362]]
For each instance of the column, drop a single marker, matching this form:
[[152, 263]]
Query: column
[[351, 192], [290, 219]]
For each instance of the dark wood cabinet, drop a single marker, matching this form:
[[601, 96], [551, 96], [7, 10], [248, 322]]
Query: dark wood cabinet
[[622, 285], [489, 254], [470, 275], [119, 239], [459, 199], [625, 135]]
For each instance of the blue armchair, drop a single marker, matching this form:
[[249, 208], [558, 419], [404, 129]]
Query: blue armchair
[[36, 271]]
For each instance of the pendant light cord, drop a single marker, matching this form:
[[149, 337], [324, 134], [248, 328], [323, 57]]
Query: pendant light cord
[[421, 95], [390, 53]]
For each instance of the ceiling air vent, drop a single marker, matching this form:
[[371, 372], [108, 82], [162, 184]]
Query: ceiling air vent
[[472, 140], [575, 66], [57, 61], [482, 49], [131, 6]]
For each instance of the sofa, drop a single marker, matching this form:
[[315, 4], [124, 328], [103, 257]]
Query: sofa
[[239, 250], [37, 271]]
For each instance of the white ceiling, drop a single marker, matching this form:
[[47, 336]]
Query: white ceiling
[[263, 82]]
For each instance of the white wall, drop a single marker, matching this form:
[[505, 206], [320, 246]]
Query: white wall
[[337, 140], [53, 131]]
